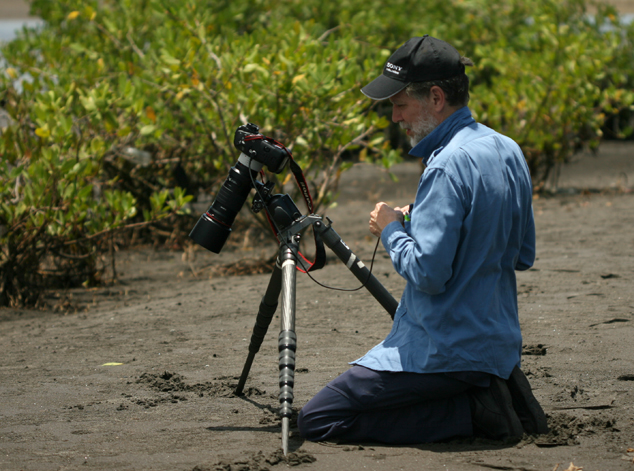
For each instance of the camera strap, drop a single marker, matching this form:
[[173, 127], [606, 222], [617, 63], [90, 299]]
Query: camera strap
[[320, 251]]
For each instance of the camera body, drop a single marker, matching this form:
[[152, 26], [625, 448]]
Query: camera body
[[214, 226], [259, 148]]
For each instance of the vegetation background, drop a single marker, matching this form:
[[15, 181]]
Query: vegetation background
[[122, 112]]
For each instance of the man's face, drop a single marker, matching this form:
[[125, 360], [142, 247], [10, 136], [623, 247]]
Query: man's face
[[413, 115]]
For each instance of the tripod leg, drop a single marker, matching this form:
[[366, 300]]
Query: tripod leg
[[356, 266], [287, 341], [268, 305]]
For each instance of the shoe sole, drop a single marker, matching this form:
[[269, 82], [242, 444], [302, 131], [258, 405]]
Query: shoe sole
[[502, 394], [497, 400], [526, 406]]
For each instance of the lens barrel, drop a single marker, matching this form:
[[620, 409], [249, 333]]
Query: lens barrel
[[213, 228]]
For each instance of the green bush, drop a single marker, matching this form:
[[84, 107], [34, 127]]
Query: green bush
[[124, 110], [550, 82]]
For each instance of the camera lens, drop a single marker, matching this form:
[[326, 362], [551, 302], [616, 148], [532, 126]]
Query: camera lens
[[213, 228]]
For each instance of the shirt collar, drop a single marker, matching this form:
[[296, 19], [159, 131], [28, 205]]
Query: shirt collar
[[441, 136]]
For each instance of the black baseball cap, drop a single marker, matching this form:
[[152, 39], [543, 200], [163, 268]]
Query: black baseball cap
[[420, 59]]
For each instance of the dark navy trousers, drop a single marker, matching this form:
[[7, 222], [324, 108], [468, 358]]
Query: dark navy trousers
[[390, 407]]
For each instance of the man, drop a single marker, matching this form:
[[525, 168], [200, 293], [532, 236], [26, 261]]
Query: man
[[450, 365]]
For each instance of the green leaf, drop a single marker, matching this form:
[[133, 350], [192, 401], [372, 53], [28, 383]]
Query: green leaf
[[147, 129]]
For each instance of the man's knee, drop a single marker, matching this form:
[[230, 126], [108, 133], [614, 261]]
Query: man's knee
[[311, 425], [324, 415], [303, 424]]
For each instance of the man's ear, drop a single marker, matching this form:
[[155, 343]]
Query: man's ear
[[437, 98]]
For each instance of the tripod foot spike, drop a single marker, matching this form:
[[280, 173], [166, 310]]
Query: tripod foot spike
[[286, 422]]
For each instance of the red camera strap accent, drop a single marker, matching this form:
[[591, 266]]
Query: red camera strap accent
[[320, 251]]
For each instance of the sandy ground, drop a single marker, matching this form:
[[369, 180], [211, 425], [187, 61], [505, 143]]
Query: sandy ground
[[14, 9], [141, 377]]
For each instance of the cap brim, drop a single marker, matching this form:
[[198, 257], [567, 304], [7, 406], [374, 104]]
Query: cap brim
[[382, 88]]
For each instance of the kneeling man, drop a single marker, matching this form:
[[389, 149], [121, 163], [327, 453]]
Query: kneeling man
[[450, 365]]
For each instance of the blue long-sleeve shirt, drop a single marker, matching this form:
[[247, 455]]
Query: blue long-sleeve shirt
[[471, 227]]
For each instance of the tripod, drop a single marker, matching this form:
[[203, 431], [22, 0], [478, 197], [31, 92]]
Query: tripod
[[283, 282]]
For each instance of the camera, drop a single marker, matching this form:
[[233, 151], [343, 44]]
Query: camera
[[256, 151]]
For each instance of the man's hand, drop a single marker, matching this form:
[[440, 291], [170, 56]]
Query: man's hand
[[382, 216]]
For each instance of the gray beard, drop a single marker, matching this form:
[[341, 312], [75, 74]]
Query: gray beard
[[422, 128]]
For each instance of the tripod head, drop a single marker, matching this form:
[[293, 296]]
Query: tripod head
[[280, 208]]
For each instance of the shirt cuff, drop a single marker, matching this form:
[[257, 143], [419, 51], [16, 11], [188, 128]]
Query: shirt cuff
[[389, 231]]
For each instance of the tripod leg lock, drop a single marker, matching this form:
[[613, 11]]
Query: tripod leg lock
[[287, 345], [262, 322]]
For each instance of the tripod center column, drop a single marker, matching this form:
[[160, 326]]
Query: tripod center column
[[287, 340]]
